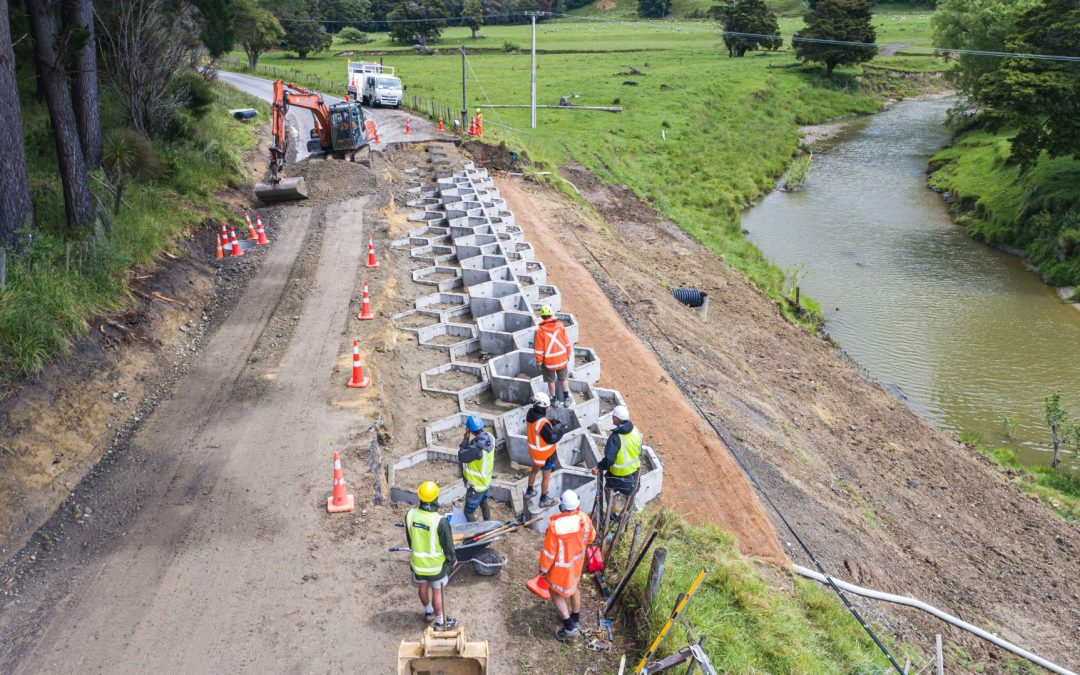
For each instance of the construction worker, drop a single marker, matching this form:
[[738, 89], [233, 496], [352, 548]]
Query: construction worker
[[622, 454], [551, 347], [542, 433], [477, 456], [569, 533], [432, 543]]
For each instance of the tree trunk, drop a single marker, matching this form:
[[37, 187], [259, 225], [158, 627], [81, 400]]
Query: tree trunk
[[473, 32], [253, 59], [79, 14], [1057, 447], [43, 26], [829, 66], [16, 209]]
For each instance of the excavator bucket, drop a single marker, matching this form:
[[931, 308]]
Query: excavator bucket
[[444, 653], [284, 190]]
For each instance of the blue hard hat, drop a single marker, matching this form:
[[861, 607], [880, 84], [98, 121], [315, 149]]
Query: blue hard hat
[[474, 423]]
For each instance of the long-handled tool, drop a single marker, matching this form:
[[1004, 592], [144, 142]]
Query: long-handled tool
[[679, 607], [629, 573], [624, 518], [507, 529]]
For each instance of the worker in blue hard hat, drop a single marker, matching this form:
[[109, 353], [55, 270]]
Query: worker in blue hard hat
[[477, 456]]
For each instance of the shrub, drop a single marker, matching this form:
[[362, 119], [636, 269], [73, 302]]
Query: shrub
[[510, 47], [353, 36], [199, 96]]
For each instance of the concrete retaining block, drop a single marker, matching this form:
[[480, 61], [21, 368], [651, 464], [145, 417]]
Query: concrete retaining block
[[547, 295], [514, 376], [430, 379], [586, 365], [444, 336], [403, 492], [650, 477], [608, 399], [467, 352], [481, 268], [504, 332], [586, 404], [581, 482], [442, 278], [495, 296], [431, 217], [413, 320], [449, 431]]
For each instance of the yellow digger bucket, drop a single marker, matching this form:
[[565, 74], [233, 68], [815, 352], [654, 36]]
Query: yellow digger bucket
[[443, 653]]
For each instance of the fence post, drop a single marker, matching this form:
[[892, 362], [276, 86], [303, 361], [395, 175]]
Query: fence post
[[938, 654], [3, 266], [656, 575]]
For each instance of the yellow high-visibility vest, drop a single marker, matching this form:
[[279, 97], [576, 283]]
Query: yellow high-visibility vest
[[478, 472], [427, 553], [629, 458]]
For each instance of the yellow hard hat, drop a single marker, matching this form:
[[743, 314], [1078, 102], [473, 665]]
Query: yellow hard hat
[[428, 491], [546, 310]]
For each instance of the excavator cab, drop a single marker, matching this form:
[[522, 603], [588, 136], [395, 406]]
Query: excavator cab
[[347, 127]]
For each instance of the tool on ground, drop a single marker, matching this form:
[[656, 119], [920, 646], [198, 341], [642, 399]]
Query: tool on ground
[[606, 624], [492, 535], [252, 234], [624, 518], [365, 307], [371, 261], [500, 526], [679, 607], [408, 126], [339, 133], [445, 652], [539, 586], [694, 654], [340, 501], [359, 380], [262, 241], [220, 252], [629, 573], [236, 250], [602, 584]]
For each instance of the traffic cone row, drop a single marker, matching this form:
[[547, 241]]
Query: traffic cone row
[[476, 125], [340, 501], [365, 307], [226, 239], [359, 380], [371, 261]]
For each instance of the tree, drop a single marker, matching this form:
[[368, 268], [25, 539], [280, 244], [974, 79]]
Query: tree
[[1058, 421], [983, 25], [839, 20], [653, 9], [417, 21], [79, 27], [337, 14], [45, 29], [473, 11], [304, 34], [257, 30], [16, 208], [216, 19], [1040, 98], [747, 16]]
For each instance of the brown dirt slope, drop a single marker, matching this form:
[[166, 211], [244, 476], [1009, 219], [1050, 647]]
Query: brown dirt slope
[[883, 498]]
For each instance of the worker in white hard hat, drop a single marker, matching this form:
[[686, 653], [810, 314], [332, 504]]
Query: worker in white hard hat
[[622, 454], [569, 533], [552, 349], [543, 433]]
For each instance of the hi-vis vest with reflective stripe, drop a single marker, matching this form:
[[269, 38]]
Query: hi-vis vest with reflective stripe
[[427, 554], [551, 345], [478, 472], [539, 450], [629, 458], [567, 537]]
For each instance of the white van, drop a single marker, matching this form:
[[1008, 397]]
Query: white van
[[373, 84]]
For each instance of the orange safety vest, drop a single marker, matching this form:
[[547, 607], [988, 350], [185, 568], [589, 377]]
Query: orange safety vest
[[568, 535], [551, 346], [539, 450]]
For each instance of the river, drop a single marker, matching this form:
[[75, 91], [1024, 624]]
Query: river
[[963, 332]]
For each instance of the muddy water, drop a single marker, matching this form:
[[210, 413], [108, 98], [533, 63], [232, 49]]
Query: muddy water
[[962, 332]]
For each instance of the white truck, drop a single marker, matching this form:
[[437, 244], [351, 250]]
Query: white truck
[[374, 84]]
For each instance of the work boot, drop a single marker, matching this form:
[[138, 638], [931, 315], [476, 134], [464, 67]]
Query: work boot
[[565, 633], [530, 492], [429, 616], [485, 509], [547, 501], [447, 623], [472, 516], [568, 400]]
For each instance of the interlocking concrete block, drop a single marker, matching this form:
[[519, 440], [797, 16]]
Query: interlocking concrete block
[[406, 474], [581, 482], [547, 295], [449, 431], [523, 249], [482, 268], [412, 320], [442, 278], [504, 332], [467, 352], [423, 203], [482, 397], [514, 376], [586, 404], [586, 365], [452, 378], [495, 296], [445, 335], [513, 232], [441, 302], [430, 217], [536, 271], [650, 477], [517, 437], [577, 451], [472, 245], [436, 255], [608, 399], [570, 323]]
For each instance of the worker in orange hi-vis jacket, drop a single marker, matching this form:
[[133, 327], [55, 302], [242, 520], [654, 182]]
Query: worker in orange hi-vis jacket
[[569, 533], [552, 349]]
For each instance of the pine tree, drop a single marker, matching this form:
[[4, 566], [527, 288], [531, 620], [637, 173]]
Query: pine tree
[[836, 20], [747, 16]]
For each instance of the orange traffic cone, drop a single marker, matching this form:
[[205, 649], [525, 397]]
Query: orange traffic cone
[[341, 500], [358, 381], [408, 127], [224, 234], [236, 250], [440, 127], [262, 240], [472, 126], [365, 307], [220, 252], [252, 235], [371, 261], [377, 139]]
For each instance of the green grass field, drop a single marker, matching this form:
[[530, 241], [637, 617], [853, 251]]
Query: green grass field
[[700, 137]]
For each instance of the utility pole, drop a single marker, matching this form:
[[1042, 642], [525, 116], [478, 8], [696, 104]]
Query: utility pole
[[464, 101], [532, 99]]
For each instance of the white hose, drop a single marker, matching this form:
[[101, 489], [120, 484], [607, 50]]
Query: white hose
[[948, 618]]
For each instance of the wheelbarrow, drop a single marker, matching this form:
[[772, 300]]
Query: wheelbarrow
[[485, 562]]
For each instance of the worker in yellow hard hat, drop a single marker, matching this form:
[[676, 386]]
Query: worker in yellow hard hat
[[432, 543]]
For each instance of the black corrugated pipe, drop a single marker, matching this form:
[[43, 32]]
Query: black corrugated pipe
[[691, 297]]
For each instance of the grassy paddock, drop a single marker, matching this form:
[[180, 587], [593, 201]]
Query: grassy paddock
[[753, 625], [63, 282]]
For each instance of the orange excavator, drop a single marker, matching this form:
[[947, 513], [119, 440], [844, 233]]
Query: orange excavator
[[339, 133]]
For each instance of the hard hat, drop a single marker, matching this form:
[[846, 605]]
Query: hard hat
[[541, 399], [621, 412], [428, 491], [569, 501], [546, 310], [474, 423]]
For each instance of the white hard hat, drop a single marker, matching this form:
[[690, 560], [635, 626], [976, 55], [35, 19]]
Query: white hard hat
[[569, 501], [541, 399], [621, 412]]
